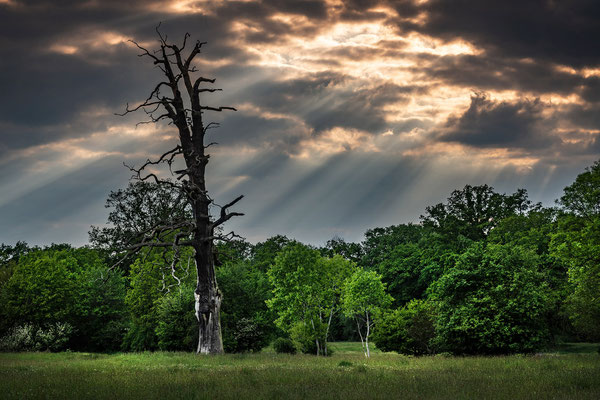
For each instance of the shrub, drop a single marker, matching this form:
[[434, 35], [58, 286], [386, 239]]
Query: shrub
[[245, 290], [494, 301], [139, 336], [247, 336], [29, 337], [177, 328], [284, 345], [64, 285], [305, 337], [407, 330]]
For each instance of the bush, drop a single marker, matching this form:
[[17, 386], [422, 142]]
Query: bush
[[247, 337], [177, 325], [140, 336], [305, 337], [100, 322], [407, 330], [284, 345], [494, 301], [29, 337], [245, 290], [63, 285]]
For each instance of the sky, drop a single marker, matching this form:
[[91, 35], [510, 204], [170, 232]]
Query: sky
[[351, 114]]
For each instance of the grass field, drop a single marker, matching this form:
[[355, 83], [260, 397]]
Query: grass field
[[266, 375]]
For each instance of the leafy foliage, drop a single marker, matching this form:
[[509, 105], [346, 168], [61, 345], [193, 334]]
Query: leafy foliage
[[306, 290], [245, 292], [576, 244], [284, 345], [65, 285], [29, 337], [582, 198], [177, 329], [151, 278], [407, 330], [492, 302], [364, 298], [473, 211]]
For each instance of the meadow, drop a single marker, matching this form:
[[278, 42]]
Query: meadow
[[573, 372]]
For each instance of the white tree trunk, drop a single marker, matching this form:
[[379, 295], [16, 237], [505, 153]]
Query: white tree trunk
[[367, 335]]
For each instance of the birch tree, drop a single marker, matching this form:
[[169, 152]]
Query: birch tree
[[364, 297], [306, 290]]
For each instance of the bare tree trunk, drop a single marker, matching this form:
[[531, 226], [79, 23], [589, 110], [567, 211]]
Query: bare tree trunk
[[185, 110], [317, 336], [208, 303], [362, 341], [367, 335], [328, 326]]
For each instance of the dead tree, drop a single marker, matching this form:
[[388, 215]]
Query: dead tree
[[177, 100]]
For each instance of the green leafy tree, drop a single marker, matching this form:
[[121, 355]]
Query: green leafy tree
[[379, 242], [65, 285], [534, 231], [338, 246], [473, 211], [577, 244], [100, 320], [9, 257], [43, 288], [402, 271], [407, 330], [135, 211], [263, 253], [306, 288], [494, 301], [582, 197], [152, 276], [245, 292], [176, 325], [364, 297]]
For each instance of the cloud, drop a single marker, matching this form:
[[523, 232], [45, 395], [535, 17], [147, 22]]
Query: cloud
[[343, 105], [489, 123], [552, 31]]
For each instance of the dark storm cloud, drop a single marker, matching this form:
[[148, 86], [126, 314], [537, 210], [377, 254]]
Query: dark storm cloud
[[267, 30], [252, 130], [45, 92], [591, 90], [489, 123], [56, 87], [498, 73], [360, 10], [324, 103], [315, 9], [563, 32], [584, 116]]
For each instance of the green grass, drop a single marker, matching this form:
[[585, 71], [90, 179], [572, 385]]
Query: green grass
[[570, 348], [345, 375]]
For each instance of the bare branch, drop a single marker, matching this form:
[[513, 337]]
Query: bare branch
[[217, 108], [225, 216], [146, 53]]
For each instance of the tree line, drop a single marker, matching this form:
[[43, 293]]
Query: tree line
[[482, 273]]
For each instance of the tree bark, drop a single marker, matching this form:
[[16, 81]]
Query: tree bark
[[184, 109], [208, 302], [367, 335]]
